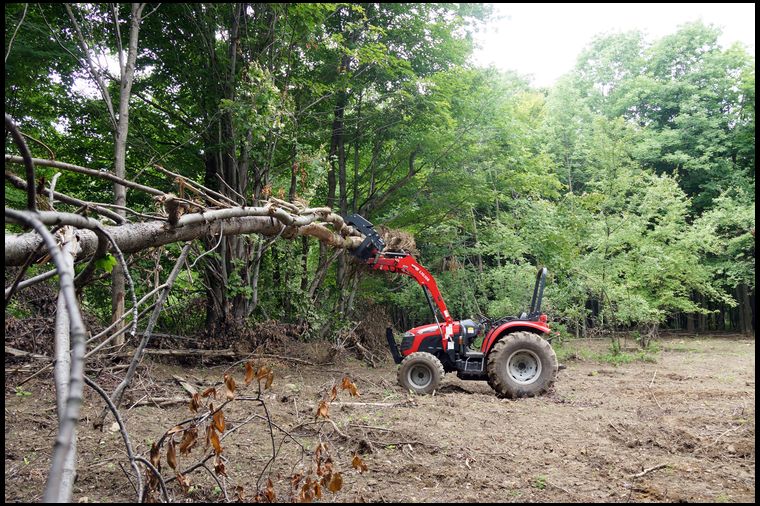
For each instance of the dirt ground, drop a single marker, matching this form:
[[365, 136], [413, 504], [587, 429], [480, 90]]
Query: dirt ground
[[681, 429]]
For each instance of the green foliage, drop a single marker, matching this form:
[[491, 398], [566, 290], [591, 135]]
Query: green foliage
[[20, 392], [631, 179], [106, 263]]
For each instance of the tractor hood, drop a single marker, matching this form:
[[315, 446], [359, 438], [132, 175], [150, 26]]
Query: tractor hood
[[470, 327]]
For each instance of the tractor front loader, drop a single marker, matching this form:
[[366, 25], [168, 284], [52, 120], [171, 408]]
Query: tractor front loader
[[514, 358]]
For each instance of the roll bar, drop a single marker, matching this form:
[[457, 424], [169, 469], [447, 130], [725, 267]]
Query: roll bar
[[538, 293]]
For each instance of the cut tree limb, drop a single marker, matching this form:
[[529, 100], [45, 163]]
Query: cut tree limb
[[22, 353], [647, 471], [134, 237]]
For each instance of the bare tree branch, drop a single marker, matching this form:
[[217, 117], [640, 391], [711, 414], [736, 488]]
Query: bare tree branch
[[21, 21], [119, 391], [97, 207], [61, 370], [26, 158], [103, 174], [67, 423], [124, 433], [94, 73]]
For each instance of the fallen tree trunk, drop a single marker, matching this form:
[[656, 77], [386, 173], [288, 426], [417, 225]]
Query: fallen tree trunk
[[189, 352], [134, 237]]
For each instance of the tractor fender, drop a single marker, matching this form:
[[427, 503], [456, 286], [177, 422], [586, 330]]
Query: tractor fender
[[507, 328]]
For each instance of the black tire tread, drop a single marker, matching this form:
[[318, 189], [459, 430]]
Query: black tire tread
[[500, 384], [427, 358]]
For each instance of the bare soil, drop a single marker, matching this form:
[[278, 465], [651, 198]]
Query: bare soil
[[681, 429]]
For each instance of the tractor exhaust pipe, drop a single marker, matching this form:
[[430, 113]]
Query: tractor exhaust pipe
[[392, 345]]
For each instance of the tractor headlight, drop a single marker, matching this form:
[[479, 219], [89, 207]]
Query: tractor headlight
[[407, 341]]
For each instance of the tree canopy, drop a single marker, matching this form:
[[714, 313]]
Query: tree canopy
[[631, 179]]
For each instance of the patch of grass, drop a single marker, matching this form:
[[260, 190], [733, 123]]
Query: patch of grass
[[625, 358], [680, 348], [539, 482], [615, 357], [16, 310]]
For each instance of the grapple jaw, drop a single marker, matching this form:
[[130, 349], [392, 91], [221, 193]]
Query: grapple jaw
[[372, 243]]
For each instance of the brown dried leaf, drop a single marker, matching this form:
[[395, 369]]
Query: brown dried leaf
[[295, 480], [322, 410], [306, 494], [270, 378], [328, 464], [239, 494], [184, 481], [334, 393], [174, 430], [269, 491], [336, 483], [219, 421], [359, 464], [209, 391], [229, 382], [195, 402], [155, 456], [347, 384], [249, 374], [262, 372], [188, 441], [208, 436], [317, 490], [171, 454], [215, 441], [219, 467]]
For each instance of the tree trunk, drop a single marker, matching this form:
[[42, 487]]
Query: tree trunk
[[745, 309], [120, 155], [475, 237], [336, 150], [304, 263]]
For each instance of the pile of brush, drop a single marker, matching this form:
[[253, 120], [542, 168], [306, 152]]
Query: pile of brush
[[398, 240]]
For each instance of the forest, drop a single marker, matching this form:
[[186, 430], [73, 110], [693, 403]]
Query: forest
[[206, 158]]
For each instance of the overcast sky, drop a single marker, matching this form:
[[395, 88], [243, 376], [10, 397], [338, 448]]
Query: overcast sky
[[544, 40]]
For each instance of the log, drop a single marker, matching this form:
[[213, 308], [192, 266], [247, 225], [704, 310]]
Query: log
[[188, 352], [21, 353]]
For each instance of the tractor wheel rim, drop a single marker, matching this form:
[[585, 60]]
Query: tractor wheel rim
[[420, 376], [524, 367]]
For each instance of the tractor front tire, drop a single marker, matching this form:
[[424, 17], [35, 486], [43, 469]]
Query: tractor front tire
[[521, 364], [420, 372]]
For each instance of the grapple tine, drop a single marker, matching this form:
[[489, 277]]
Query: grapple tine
[[372, 243]]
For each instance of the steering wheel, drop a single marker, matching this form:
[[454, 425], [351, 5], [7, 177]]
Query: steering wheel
[[482, 319]]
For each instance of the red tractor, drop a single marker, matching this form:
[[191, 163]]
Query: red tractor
[[514, 357]]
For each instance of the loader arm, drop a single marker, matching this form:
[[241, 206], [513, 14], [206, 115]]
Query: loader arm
[[371, 252], [404, 263]]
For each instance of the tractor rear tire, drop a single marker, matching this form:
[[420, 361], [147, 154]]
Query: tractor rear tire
[[420, 372], [521, 364]]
